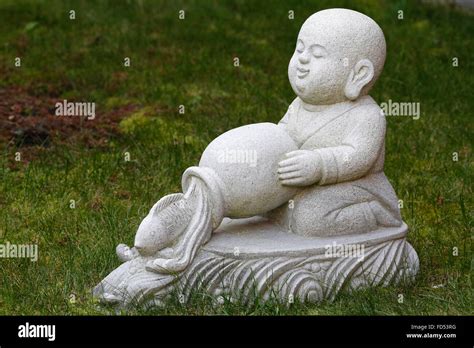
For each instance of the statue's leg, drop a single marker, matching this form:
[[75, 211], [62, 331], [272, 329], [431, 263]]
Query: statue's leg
[[344, 208]]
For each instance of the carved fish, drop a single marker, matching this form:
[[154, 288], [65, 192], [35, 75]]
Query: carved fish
[[163, 225]]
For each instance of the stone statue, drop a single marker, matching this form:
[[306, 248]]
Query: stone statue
[[299, 210]]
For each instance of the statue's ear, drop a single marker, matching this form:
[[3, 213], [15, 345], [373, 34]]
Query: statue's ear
[[359, 77]]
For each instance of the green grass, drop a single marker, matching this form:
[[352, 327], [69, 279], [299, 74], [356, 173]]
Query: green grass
[[190, 62]]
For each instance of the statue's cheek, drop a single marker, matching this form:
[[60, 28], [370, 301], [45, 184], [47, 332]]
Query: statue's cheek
[[292, 67]]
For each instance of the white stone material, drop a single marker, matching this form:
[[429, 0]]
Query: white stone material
[[245, 159], [320, 215], [253, 256]]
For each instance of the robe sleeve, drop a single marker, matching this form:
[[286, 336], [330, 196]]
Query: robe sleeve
[[358, 151]]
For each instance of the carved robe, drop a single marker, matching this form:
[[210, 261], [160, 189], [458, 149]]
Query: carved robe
[[353, 195]]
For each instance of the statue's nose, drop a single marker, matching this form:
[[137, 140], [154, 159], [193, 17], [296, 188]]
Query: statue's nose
[[304, 57]]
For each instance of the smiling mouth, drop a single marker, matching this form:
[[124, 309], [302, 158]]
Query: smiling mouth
[[301, 73]]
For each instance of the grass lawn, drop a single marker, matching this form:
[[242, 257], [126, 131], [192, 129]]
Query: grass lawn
[[190, 62]]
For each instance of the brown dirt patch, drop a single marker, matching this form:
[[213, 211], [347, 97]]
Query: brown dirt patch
[[28, 119]]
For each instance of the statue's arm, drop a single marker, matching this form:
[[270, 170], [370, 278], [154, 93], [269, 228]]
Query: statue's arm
[[284, 121], [286, 118], [359, 151]]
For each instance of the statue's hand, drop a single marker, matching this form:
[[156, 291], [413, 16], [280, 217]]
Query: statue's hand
[[300, 168]]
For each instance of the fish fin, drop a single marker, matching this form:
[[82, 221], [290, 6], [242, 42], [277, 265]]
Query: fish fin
[[165, 201]]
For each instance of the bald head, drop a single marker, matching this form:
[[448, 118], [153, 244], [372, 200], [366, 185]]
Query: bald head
[[342, 42], [350, 34]]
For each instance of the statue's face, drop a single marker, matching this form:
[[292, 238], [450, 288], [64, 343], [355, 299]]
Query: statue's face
[[318, 70]]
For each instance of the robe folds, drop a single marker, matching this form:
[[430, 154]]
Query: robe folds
[[353, 195]]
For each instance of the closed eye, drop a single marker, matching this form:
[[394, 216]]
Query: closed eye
[[318, 51], [300, 46]]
